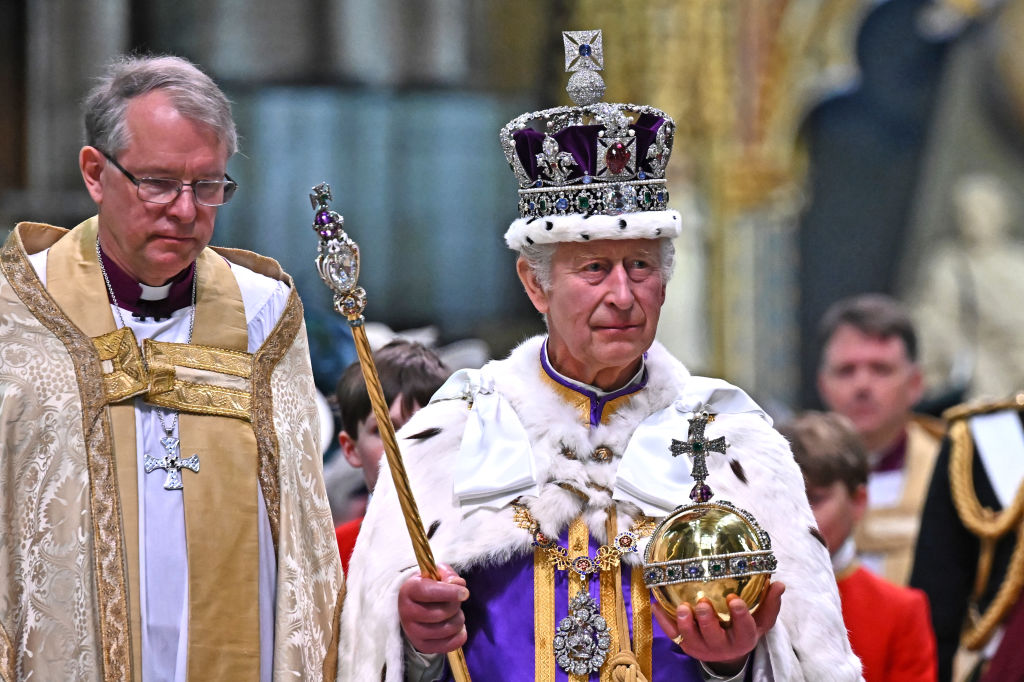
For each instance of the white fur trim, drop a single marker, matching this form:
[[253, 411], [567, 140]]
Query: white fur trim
[[576, 228]]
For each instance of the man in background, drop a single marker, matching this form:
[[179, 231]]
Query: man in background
[[869, 374], [970, 553], [410, 373], [890, 627]]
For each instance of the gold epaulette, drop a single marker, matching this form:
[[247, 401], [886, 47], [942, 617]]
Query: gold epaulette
[[968, 410], [987, 524]]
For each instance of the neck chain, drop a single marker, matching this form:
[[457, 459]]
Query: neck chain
[[605, 558], [173, 463]]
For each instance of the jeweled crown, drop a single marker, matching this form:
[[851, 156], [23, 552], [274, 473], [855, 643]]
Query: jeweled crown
[[595, 158]]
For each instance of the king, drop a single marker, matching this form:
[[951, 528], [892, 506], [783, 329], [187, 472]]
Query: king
[[541, 476]]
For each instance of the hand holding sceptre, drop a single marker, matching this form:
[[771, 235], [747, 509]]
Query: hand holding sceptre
[[337, 261]]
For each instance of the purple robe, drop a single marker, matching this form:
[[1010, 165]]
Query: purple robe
[[499, 621]]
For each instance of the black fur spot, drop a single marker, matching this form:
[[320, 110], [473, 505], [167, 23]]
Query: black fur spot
[[548, 224], [796, 653], [531, 220], [425, 434], [433, 529], [657, 232], [585, 236], [529, 241], [622, 224], [737, 469], [817, 535]]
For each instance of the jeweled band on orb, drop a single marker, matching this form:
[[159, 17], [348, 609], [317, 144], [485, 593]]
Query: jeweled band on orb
[[708, 568]]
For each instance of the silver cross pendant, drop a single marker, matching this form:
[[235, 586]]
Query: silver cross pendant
[[172, 463]]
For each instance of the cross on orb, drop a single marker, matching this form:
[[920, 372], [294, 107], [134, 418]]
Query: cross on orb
[[699, 447]]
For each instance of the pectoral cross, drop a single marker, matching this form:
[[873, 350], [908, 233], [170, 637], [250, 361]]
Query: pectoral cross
[[172, 463], [698, 447]]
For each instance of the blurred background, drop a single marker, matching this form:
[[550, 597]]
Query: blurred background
[[821, 146]]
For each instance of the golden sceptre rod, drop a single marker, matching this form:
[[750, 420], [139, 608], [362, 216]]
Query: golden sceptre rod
[[337, 261]]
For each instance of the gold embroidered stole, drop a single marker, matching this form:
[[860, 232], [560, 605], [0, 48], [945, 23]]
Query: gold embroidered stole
[[221, 519], [892, 531]]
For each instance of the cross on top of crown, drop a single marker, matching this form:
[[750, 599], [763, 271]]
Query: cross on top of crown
[[583, 50]]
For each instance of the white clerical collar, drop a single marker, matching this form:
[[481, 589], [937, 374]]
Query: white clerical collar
[[154, 293], [587, 388]]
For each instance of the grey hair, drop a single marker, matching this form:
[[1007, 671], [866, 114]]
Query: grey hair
[[192, 93], [539, 256]]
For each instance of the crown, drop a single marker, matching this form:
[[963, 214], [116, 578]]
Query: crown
[[591, 171]]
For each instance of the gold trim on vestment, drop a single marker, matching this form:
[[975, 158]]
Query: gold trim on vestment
[[543, 617], [331, 659], [608, 607], [578, 545], [6, 656], [263, 364], [219, 394], [124, 372], [105, 506], [222, 503], [215, 360], [581, 403], [892, 530], [643, 628]]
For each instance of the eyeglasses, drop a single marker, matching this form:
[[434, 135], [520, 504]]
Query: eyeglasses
[[166, 190]]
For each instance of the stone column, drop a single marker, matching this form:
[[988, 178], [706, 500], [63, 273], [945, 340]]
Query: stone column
[[67, 43]]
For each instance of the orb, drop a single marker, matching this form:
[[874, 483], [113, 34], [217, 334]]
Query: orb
[[708, 550]]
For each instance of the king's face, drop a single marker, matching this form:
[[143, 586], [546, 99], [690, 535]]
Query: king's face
[[602, 308]]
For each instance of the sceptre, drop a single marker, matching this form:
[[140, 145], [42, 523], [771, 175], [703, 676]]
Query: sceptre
[[337, 261]]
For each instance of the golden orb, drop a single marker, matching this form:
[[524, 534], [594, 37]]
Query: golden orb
[[708, 550]]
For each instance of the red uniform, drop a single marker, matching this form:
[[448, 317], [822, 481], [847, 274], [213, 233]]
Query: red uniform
[[890, 628], [346, 534]]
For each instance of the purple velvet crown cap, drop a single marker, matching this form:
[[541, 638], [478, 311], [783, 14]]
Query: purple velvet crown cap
[[582, 142]]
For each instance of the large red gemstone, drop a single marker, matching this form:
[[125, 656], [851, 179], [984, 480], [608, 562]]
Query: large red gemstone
[[616, 158]]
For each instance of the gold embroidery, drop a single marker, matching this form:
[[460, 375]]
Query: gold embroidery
[[643, 629], [608, 606], [6, 655], [575, 556], [543, 617], [331, 659], [205, 399], [127, 374], [578, 541], [263, 364], [210, 397], [217, 360], [105, 510]]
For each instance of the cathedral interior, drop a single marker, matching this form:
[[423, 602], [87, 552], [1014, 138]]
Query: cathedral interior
[[819, 144]]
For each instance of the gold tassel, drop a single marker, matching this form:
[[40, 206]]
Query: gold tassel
[[623, 663]]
